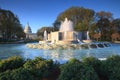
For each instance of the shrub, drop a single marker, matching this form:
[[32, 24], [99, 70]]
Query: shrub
[[38, 59], [6, 75], [21, 74], [76, 70], [29, 64], [44, 68], [11, 63], [111, 68], [40, 68], [17, 74], [95, 63]]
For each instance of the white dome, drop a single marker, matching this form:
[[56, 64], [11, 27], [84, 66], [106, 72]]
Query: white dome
[[27, 29]]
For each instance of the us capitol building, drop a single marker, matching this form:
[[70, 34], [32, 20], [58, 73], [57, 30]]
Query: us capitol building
[[28, 32]]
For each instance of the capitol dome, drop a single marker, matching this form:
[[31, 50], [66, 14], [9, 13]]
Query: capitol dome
[[27, 29]]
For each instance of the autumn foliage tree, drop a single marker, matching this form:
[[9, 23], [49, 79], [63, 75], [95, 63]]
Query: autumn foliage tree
[[103, 23], [116, 25]]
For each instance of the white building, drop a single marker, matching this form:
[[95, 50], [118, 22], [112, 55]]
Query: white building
[[28, 32]]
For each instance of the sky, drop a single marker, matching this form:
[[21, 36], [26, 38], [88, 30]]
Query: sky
[[40, 13]]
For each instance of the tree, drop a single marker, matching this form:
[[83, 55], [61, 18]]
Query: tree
[[103, 23], [116, 25], [9, 24], [79, 15], [97, 36], [19, 32], [103, 14], [56, 25], [115, 36], [93, 30], [82, 26], [40, 31]]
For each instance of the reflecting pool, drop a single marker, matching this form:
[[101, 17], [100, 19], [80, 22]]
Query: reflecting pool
[[8, 50]]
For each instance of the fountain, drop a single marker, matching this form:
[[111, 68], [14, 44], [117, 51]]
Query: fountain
[[45, 35], [66, 34], [67, 25], [45, 38], [88, 38], [67, 38]]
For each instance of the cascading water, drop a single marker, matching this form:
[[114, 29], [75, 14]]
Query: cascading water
[[88, 37], [67, 25], [45, 35], [65, 35]]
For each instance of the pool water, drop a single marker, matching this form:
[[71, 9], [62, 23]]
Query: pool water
[[8, 50]]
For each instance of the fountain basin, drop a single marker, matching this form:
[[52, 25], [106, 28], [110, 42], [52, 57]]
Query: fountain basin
[[49, 46], [87, 41]]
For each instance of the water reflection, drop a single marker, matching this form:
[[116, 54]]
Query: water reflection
[[65, 55], [8, 50]]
